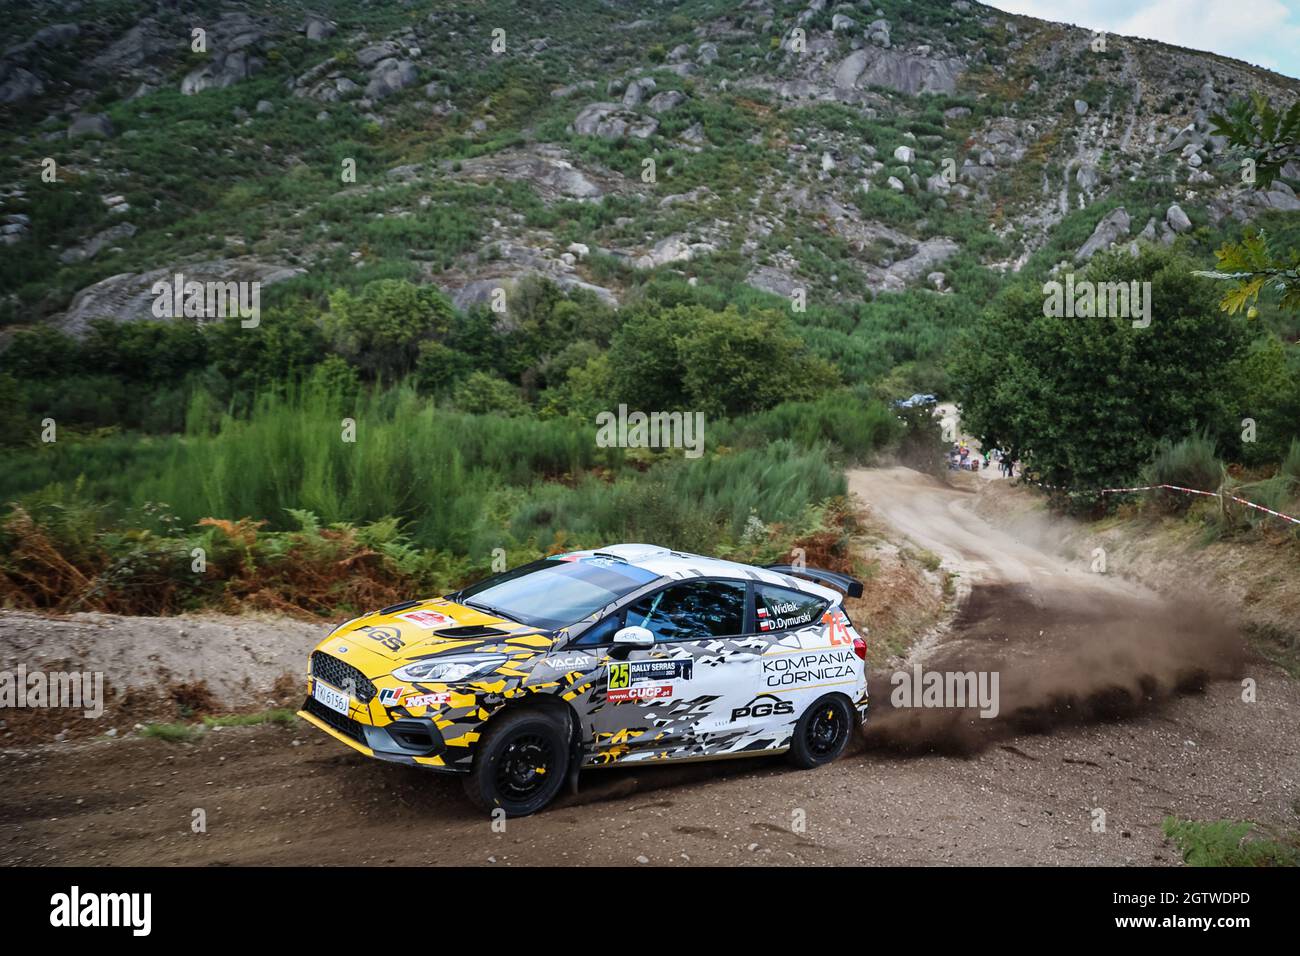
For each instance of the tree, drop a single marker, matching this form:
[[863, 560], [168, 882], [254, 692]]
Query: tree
[[733, 363], [1083, 402], [382, 328], [287, 343], [149, 351], [42, 352], [645, 365], [1265, 402], [483, 394], [15, 429], [585, 392], [721, 363], [1269, 140], [437, 368]]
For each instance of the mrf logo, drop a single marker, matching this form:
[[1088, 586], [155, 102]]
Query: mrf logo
[[764, 705]]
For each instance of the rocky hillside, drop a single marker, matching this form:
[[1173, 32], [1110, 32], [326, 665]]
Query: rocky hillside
[[851, 149]]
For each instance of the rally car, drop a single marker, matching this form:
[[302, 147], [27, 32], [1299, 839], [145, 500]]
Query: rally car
[[616, 656]]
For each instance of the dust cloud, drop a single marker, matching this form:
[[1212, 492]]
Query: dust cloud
[[1064, 655]]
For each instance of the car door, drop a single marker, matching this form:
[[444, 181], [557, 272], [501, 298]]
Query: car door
[[662, 702], [763, 706], [812, 651]]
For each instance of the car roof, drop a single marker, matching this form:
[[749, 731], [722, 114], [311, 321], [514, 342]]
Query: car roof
[[682, 565]]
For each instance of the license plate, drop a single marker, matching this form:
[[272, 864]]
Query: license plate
[[330, 697]]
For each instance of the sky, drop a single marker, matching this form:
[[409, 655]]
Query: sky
[[1263, 32]]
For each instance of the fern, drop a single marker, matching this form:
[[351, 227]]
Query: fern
[[307, 522]]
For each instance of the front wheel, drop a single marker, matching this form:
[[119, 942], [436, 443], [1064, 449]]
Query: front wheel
[[822, 732], [521, 764]]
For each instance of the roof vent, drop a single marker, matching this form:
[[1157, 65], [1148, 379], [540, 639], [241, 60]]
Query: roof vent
[[632, 553]]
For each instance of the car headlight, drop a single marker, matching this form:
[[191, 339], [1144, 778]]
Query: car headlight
[[444, 671]]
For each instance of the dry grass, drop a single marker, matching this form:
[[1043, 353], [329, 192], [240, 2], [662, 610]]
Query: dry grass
[[301, 574]]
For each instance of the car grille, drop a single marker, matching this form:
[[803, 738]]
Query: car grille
[[344, 725], [343, 676]]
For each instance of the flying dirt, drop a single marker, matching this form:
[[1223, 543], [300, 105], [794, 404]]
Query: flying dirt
[[1068, 645]]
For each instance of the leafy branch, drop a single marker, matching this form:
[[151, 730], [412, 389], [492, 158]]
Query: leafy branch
[[1252, 266], [1270, 139]]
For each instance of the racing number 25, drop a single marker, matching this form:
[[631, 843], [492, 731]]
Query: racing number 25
[[620, 675]]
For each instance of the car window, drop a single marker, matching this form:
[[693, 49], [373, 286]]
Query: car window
[[692, 611], [778, 609], [555, 592], [602, 632]]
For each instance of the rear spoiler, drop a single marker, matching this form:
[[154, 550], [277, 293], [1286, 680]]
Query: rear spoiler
[[841, 582]]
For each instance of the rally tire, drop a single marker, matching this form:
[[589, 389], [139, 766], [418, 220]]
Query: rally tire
[[822, 732], [521, 764]]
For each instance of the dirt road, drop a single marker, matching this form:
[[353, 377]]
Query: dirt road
[[1111, 701]]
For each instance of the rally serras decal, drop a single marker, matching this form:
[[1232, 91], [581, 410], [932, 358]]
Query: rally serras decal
[[627, 673], [814, 667], [643, 680]]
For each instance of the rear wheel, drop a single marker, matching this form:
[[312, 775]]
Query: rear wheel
[[521, 764], [822, 732]]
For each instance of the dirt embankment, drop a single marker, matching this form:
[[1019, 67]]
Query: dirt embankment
[[154, 668]]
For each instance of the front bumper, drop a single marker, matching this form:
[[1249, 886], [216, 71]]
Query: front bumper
[[415, 741]]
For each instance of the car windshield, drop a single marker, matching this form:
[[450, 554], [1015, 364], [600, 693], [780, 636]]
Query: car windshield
[[555, 592]]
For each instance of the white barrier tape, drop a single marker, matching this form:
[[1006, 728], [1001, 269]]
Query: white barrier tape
[[1190, 491]]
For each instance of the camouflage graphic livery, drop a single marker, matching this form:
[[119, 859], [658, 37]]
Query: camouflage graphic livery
[[711, 659]]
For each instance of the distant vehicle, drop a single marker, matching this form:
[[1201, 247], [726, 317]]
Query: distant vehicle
[[632, 653], [919, 400]]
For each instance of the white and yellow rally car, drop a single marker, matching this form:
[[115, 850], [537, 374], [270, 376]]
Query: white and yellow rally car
[[625, 654]]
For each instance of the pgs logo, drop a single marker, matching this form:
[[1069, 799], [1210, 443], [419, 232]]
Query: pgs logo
[[389, 637], [764, 705]]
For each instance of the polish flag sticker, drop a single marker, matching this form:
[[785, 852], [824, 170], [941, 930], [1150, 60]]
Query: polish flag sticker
[[427, 619]]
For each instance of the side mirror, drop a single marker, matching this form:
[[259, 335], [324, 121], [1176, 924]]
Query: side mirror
[[633, 638]]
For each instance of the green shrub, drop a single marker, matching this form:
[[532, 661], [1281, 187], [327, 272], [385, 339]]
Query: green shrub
[[483, 394], [1291, 463], [1189, 463], [1226, 843], [382, 328], [856, 427]]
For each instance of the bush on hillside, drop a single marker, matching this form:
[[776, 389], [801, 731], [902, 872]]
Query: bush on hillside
[[1189, 463]]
